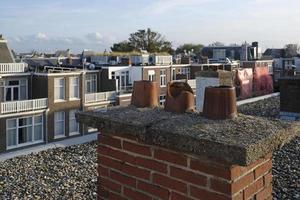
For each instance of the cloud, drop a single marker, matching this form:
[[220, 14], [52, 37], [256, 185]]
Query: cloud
[[41, 36], [164, 6], [95, 37], [44, 42]]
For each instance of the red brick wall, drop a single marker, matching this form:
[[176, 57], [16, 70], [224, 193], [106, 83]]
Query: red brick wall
[[131, 170]]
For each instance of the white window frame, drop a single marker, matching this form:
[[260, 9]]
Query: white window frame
[[162, 99], [17, 127], [173, 74], [185, 71], [163, 78], [151, 75], [91, 78], [39, 123], [71, 88], [19, 86], [72, 119], [57, 88], [59, 121]]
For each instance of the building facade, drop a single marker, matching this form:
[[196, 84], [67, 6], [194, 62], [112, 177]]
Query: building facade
[[37, 107]]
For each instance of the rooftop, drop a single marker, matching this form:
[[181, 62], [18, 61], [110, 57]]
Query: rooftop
[[133, 53], [5, 54]]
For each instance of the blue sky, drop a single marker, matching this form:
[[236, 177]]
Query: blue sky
[[47, 25]]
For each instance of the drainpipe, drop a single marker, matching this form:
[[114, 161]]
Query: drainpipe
[[83, 97], [46, 125], [31, 85]]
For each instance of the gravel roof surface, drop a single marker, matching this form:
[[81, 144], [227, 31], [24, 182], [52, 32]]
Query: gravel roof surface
[[61, 173], [286, 161], [70, 173], [269, 108]]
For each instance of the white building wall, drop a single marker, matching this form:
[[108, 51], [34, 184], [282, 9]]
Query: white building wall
[[136, 74], [201, 84], [117, 70]]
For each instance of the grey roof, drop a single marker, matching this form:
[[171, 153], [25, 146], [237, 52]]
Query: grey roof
[[41, 62], [5, 54], [62, 53], [208, 51], [274, 53]]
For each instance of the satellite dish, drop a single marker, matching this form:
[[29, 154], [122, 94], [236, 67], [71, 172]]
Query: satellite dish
[[91, 66]]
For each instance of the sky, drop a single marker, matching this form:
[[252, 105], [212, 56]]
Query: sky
[[48, 25]]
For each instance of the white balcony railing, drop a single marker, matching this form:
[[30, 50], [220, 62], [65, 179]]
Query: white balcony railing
[[102, 96], [6, 68], [23, 105]]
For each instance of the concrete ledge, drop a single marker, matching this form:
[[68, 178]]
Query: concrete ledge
[[251, 100], [240, 141]]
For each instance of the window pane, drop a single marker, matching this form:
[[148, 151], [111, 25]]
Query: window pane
[[23, 82], [61, 93], [59, 128], [11, 123], [25, 135], [72, 114], [76, 92], [74, 81], [59, 89], [16, 93], [59, 123], [61, 82], [13, 82], [88, 87], [38, 132], [23, 91], [74, 88], [73, 126], [59, 116], [8, 94], [94, 85], [25, 121], [12, 137], [38, 119]]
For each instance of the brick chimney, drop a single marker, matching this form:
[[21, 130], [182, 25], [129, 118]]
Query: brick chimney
[[151, 154]]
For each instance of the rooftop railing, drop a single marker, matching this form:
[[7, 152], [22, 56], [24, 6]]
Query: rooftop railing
[[6, 68], [23, 105], [101, 96]]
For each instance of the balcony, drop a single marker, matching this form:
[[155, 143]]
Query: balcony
[[6, 68], [100, 97], [23, 105]]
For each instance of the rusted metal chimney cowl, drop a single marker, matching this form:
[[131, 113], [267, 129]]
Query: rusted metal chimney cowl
[[180, 98], [145, 94], [220, 102]]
